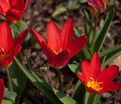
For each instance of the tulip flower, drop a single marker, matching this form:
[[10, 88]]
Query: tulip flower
[[2, 88], [96, 81], [59, 47], [13, 10], [9, 48], [97, 6]]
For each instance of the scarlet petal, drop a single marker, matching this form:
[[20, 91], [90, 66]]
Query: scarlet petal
[[4, 6], [2, 88], [78, 44], [6, 37], [85, 68], [54, 40], [67, 33], [62, 59], [108, 74], [113, 86], [95, 65], [14, 15], [18, 41], [18, 4], [49, 53], [80, 77]]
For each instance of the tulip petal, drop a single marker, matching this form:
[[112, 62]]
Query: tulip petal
[[26, 5], [6, 37], [4, 6], [2, 88], [108, 74], [113, 86], [67, 33], [14, 15], [49, 53], [62, 59], [86, 70], [18, 4], [95, 65], [54, 37], [80, 77], [18, 41], [78, 44]]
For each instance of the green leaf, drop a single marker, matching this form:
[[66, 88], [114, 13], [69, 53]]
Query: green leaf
[[86, 96], [65, 6], [79, 92], [110, 54], [75, 67], [85, 54], [19, 28], [89, 30], [101, 35], [43, 86], [77, 32], [9, 95], [59, 11], [18, 80], [5, 101], [65, 99]]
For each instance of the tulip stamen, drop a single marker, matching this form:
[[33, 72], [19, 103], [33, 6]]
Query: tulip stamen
[[94, 84], [3, 54], [56, 51]]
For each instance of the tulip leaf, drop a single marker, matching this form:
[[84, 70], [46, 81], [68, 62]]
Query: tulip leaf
[[86, 96], [10, 95], [101, 35], [110, 54], [45, 88], [79, 92], [75, 67], [77, 32], [19, 28], [65, 6], [5, 101], [18, 79], [85, 54], [89, 30]]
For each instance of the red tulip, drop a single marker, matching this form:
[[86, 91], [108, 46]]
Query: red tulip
[[96, 81], [2, 88], [97, 6], [13, 10], [59, 47], [9, 47]]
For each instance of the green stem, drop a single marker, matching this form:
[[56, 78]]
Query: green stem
[[94, 35], [59, 79], [89, 99], [9, 79]]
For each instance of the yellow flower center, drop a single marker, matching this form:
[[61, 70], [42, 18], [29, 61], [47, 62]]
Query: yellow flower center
[[94, 84], [56, 51], [3, 54]]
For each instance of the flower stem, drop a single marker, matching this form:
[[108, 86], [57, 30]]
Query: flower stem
[[9, 79], [90, 98], [95, 28], [59, 79]]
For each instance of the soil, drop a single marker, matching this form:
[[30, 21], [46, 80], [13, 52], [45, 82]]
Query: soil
[[37, 16]]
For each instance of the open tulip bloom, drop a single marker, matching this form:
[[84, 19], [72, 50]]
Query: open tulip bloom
[[96, 81], [9, 48], [2, 88], [97, 6], [13, 10], [59, 47]]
